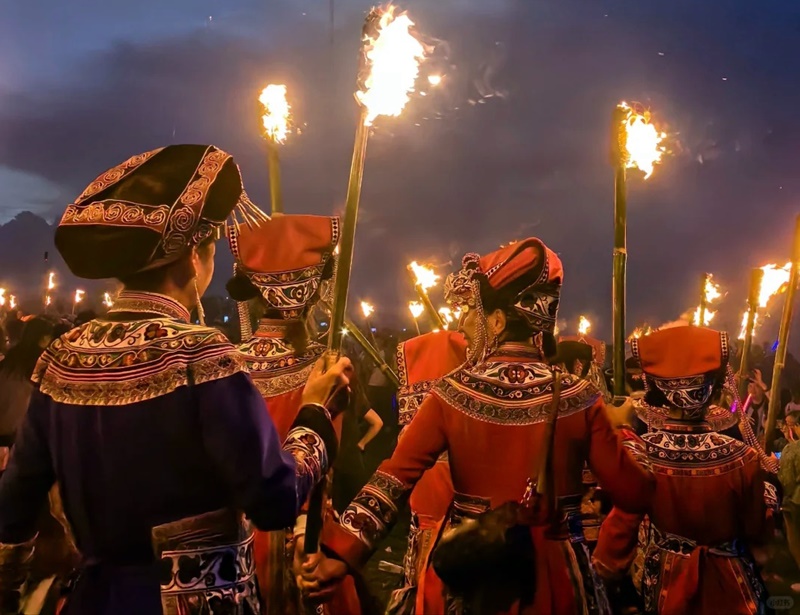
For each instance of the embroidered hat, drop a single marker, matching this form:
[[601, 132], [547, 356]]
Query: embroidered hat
[[284, 260], [597, 349], [150, 210], [526, 273], [421, 362], [683, 363]]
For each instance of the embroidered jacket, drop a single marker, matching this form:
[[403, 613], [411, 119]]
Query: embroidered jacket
[[491, 419], [278, 371], [710, 503], [143, 420]]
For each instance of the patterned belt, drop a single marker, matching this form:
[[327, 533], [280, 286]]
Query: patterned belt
[[209, 568], [684, 546]]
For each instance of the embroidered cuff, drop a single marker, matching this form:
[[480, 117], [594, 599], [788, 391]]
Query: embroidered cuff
[[317, 419], [342, 544]]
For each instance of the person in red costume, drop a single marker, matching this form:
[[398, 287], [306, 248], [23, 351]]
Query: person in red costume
[[421, 362], [280, 266], [491, 417], [711, 502]]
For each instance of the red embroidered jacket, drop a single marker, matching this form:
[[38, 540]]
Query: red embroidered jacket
[[491, 419]]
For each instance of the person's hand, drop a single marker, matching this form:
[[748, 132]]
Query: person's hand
[[361, 446], [327, 379], [621, 415], [318, 577]]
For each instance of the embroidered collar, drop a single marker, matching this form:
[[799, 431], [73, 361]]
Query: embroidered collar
[[273, 327], [678, 426], [517, 350], [138, 302]]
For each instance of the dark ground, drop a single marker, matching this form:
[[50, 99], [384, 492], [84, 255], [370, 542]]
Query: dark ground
[[382, 583]]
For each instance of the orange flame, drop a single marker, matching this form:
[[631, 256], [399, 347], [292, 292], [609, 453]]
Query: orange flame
[[51, 280], [775, 281], [107, 300], [12, 301], [640, 332], [447, 315], [394, 58], [426, 276], [276, 112], [416, 309], [643, 142], [584, 326], [79, 295], [367, 309], [2, 297]]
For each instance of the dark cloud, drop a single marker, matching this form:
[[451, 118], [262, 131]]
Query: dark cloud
[[513, 143]]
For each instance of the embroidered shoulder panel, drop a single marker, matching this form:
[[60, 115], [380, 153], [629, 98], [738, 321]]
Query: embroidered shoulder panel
[[274, 365], [694, 454], [106, 363], [510, 393], [410, 398]]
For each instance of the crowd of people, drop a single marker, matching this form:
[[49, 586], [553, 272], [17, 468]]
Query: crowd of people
[[156, 464]]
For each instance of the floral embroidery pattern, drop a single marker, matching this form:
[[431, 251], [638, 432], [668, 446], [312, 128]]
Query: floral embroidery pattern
[[104, 363], [309, 452], [373, 512], [275, 366], [513, 393], [688, 454]]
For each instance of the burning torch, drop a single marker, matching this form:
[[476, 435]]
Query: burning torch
[[77, 299], [276, 126], [416, 309], [635, 143], [424, 278], [783, 341], [368, 309], [390, 57]]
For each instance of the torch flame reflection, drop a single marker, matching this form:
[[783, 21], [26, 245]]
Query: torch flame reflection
[[426, 277], [416, 309], [584, 326], [643, 142], [276, 112], [393, 58]]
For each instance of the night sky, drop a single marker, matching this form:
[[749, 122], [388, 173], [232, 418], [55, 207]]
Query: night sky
[[513, 143]]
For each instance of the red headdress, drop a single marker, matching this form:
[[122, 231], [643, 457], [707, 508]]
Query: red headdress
[[286, 259], [527, 274], [684, 364]]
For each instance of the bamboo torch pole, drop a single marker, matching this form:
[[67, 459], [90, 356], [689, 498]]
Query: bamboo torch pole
[[274, 164], [783, 342], [756, 277], [618, 158]]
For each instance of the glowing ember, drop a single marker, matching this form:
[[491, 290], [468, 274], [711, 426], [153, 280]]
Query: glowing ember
[[434, 80], [51, 280], [426, 277], [393, 58], [584, 326], [79, 295], [642, 141], [447, 315], [12, 301], [276, 112], [416, 309], [107, 300], [775, 281], [2, 297], [367, 309]]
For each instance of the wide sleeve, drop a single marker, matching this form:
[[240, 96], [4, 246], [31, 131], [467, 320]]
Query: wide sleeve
[[616, 544], [373, 512], [617, 457], [269, 482]]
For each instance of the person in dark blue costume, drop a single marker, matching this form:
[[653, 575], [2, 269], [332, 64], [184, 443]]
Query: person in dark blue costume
[[150, 425]]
